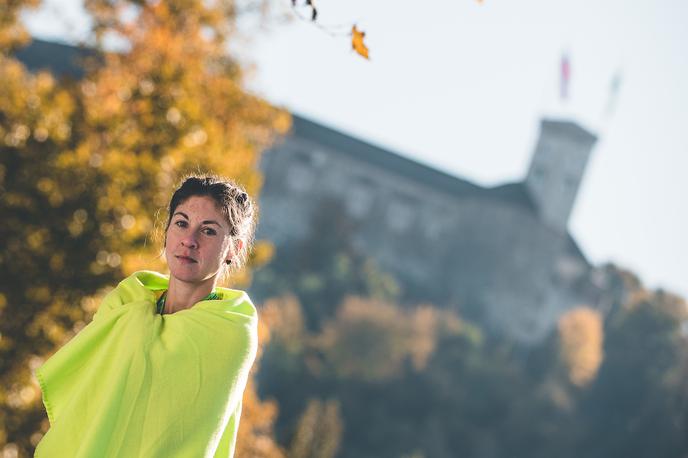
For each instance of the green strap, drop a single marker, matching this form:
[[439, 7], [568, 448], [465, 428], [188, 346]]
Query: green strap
[[161, 301]]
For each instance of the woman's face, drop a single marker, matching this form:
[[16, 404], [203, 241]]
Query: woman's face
[[198, 240]]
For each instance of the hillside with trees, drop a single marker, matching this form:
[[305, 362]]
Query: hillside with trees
[[418, 380]]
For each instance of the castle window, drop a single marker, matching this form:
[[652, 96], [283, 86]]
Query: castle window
[[568, 268], [319, 158], [435, 223], [300, 177], [359, 199], [399, 215]]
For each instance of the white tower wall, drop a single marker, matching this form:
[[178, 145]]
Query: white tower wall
[[557, 169]]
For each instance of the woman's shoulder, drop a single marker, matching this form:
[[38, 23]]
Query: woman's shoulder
[[237, 301], [140, 285]]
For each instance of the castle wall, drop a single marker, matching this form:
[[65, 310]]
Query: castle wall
[[464, 250]]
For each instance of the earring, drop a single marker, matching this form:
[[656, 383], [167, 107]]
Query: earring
[[228, 261]]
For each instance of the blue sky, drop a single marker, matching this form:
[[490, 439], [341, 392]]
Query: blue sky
[[462, 86]]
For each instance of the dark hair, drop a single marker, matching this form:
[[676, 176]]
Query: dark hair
[[238, 208]]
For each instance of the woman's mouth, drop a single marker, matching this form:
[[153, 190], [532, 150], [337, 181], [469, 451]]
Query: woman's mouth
[[185, 260]]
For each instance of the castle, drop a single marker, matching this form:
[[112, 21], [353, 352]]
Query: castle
[[503, 252]]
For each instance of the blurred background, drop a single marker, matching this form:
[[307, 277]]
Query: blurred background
[[470, 243]]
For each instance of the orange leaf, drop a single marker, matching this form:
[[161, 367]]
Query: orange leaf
[[357, 42]]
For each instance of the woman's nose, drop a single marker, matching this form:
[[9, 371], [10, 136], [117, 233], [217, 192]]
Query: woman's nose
[[190, 241]]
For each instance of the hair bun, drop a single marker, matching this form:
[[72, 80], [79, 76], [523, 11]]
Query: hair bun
[[242, 198]]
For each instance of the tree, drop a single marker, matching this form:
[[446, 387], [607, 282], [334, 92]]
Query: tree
[[49, 240], [581, 337], [636, 405], [319, 431], [85, 166], [371, 340]]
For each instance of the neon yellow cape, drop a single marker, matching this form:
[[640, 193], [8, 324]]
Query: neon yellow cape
[[134, 383]]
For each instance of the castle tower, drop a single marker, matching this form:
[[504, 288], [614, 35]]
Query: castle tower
[[557, 168]]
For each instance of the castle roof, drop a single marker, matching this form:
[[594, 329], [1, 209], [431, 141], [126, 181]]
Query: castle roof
[[362, 151]]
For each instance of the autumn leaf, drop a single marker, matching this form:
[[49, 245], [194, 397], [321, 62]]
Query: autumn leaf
[[357, 42]]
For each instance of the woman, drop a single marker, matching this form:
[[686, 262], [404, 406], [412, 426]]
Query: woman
[[161, 369]]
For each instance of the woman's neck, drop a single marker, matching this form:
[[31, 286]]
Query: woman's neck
[[182, 295]]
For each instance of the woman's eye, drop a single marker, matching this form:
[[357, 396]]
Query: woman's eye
[[183, 223], [210, 231]]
